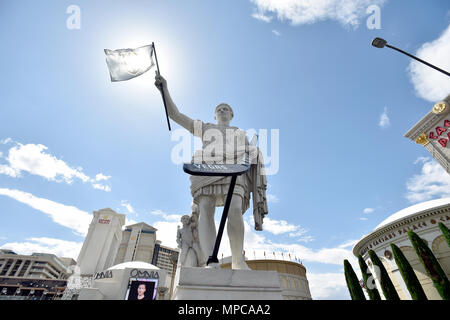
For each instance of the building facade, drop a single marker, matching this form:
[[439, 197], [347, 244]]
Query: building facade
[[37, 265], [421, 218], [39, 276], [162, 258], [138, 243], [433, 133], [102, 242]]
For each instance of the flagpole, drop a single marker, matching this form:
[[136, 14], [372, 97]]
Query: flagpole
[[162, 91]]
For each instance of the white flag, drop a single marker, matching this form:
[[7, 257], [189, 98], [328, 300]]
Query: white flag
[[126, 64]]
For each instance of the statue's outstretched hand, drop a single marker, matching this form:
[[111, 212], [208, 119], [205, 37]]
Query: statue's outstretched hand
[[160, 82]]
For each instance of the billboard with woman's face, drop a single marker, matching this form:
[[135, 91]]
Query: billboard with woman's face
[[141, 289]]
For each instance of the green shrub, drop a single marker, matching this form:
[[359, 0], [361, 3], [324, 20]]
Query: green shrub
[[445, 232], [408, 275], [373, 293], [353, 285], [432, 266], [386, 284]]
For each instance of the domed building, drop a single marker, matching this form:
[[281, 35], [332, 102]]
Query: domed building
[[423, 219], [292, 276]]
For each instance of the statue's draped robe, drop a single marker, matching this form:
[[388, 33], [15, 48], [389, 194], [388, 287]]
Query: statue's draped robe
[[229, 145]]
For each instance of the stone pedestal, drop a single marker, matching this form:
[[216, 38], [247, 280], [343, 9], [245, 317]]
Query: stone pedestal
[[227, 284], [90, 294]]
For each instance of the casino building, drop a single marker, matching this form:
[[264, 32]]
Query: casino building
[[114, 255], [39, 276], [433, 133], [423, 219]]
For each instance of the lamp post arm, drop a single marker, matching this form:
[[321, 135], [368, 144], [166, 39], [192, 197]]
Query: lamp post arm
[[418, 59]]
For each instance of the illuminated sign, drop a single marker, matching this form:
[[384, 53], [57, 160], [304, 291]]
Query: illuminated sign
[[104, 221]]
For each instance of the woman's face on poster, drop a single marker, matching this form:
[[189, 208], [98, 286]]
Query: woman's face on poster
[[141, 289]]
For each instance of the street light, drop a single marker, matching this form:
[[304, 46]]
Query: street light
[[381, 43]]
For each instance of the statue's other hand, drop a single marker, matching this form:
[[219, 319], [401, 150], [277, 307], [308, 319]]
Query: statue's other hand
[[160, 82]]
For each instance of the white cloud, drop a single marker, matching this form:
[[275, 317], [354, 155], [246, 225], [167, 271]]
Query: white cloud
[[60, 248], [33, 159], [101, 176], [298, 12], [260, 16], [277, 33], [101, 187], [329, 286], [67, 216], [271, 198], [422, 160], [167, 228], [384, 119], [301, 237], [431, 84], [167, 232], [255, 243], [167, 217], [127, 205], [368, 210], [4, 169], [363, 219], [6, 141], [279, 226], [432, 182], [347, 244], [129, 222]]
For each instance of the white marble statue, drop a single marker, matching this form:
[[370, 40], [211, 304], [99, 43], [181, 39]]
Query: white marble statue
[[222, 143], [191, 254]]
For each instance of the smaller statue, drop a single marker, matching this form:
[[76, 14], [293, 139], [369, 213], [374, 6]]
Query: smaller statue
[[191, 254]]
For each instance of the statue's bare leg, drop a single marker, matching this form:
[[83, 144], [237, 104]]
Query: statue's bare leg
[[206, 226], [200, 257], [235, 228], [183, 254]]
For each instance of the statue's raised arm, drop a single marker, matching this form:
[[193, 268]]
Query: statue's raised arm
[[172, 109]]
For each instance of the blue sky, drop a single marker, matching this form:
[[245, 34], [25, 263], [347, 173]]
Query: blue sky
[[72, 142]]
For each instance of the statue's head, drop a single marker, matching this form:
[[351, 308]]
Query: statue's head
[[185, 219], [224, 112]]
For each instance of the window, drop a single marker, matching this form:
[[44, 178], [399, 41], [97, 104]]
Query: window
[[24, 268], [6, 268]]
